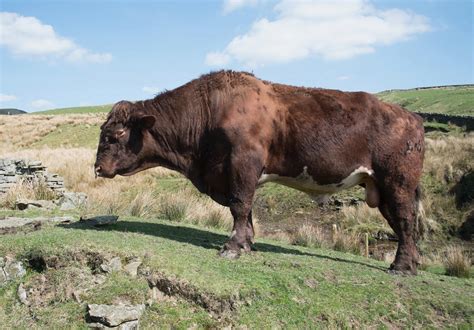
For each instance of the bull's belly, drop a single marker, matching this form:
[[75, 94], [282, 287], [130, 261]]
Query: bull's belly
[[319, 192]]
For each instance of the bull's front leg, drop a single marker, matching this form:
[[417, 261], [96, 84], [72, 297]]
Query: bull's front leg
[[244, 179]]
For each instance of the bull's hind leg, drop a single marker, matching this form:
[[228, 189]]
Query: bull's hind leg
[[398, 206]]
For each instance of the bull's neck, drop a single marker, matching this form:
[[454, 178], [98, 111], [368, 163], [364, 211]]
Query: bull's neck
[[180, 125]]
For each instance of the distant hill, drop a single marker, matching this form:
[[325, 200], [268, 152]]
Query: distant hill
[[452, 100], [87, 109], [11, 111]]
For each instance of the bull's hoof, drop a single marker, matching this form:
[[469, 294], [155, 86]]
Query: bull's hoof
[[246, 247], [402, 269], [229, 254]]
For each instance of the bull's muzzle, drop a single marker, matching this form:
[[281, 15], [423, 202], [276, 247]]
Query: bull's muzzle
[[97, 170]]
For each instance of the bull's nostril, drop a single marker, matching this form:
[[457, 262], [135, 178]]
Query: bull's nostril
[[97, 170]]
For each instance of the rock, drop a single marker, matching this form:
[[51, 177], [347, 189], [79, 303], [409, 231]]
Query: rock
[[10, 224], [35, 163], [114, 265], [115, 315], [99, 279], [13, 269], [311, 283], [101, 220], [156, 295], [132, 267], [76, 295], [23, 204], [131, 325], [71, 200], [16, 170], [3, 277], [21, 292]]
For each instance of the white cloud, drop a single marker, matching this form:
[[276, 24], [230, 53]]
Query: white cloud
[[7, 98], [28, 36], [231, 5], [333, 30], [151, 89], [42, 104], [343, 78], [217, 59]]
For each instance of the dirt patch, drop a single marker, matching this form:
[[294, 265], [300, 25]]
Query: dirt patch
[[174, 287], [68, 275], [40, 260], [58, 286]]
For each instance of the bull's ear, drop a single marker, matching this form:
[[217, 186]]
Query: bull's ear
[[146, 121]]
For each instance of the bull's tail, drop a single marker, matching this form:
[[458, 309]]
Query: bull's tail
[[419, 215]]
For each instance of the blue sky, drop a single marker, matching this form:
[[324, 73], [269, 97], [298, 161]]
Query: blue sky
[[70, 53]]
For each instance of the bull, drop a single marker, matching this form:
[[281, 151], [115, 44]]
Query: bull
[[230, 132]]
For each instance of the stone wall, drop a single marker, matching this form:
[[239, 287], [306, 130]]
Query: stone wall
[[12, 171], [461, 121]]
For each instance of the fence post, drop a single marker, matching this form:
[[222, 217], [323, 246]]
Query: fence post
[[366, 236]]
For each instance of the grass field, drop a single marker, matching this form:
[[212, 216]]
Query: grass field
[[279, 286], [177, 232], [448, 100]]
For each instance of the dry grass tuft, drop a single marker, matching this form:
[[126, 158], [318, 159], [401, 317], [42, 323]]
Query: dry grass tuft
[[456, 262], [346, 242], [281, 236], [143, 205], [173, 208], [362, 219], [27, 189], [448, 158], [309, 236]]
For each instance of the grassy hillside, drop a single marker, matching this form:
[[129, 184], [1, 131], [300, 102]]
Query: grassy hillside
[[71, 135], [456, 100], [76, 110], [449, 100], [278, 286]]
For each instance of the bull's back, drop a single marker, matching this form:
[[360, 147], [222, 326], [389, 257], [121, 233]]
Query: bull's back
[[333, 133]]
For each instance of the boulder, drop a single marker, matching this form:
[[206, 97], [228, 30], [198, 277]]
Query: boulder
[[132, 267], [71, 200], [115, 315], [10, 269], [101, 220], [22, 296], [11, 224], [23, 204], [113, 265]]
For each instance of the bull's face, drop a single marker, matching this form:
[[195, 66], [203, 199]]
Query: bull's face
[[122, 149]]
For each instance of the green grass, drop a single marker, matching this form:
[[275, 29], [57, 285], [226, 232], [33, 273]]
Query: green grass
[[449, 100], [75, 110], [71, 135], [269, 288]]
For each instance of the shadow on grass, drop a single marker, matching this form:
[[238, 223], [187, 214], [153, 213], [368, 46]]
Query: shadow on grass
[[198, 237]]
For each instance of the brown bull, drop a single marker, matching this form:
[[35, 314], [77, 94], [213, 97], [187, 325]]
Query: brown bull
[[229, 132]]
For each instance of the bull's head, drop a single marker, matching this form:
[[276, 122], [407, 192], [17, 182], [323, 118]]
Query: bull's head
[[122, 149]]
